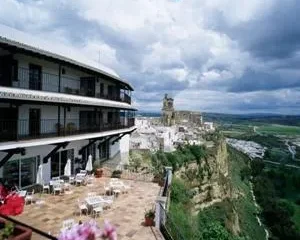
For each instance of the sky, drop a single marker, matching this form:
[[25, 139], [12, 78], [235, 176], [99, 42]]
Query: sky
[[227, 56]]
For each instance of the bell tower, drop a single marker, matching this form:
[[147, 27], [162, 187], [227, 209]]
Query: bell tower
[[168, 113]]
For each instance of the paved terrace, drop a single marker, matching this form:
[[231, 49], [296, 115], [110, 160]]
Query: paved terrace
[[126, 213]]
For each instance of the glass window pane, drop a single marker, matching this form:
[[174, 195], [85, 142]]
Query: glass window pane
[[55, 165], [11, 173], [28, 171], [63, 161]]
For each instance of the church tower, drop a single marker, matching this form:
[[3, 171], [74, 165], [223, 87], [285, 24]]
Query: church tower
[[168, 113]]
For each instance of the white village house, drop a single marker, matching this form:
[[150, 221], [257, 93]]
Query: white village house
[[57, 105]]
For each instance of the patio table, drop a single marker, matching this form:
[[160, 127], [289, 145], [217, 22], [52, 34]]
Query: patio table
[[54, 182], [94, 200], [22, 193], [82, 175], [116, 185]]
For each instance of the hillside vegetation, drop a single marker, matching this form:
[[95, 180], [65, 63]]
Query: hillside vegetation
[[209, 200]]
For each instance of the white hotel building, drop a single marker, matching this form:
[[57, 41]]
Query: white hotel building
[[56, 105]]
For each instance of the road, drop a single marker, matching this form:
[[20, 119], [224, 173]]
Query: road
[[255, 130], [286, 165], [291, 149]]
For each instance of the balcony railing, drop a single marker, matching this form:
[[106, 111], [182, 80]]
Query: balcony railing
[[12, 130], [50, 82]]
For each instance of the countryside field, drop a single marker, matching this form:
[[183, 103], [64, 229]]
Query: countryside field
[[276, 129]]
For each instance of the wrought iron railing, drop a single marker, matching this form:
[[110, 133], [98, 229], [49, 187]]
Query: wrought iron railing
[[33, 229], [11, 130], [167, 226], [126, 171], [50, 82]]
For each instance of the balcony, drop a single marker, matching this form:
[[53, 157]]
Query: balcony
[[13, 130], [81, 86]]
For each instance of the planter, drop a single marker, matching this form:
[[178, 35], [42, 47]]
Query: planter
[[99, 173], [149, 221], [161, 183], [116, 174], [20, 233]]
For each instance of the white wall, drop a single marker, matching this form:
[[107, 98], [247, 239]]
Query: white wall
[[50, 73], [119, 152], [49, 115]]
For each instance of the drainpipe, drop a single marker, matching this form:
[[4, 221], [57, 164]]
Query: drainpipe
[[58, 115]]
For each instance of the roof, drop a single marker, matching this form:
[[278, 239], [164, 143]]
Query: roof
[[61, 52]]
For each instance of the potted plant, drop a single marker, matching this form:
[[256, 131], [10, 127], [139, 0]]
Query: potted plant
[[116, 174], [98, 170], [9, 231], [149, 217], [158, 178]]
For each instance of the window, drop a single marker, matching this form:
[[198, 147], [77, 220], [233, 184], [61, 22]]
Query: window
[[104, 150], [21, 172], [28, 171], [59, 160], [101, 89]]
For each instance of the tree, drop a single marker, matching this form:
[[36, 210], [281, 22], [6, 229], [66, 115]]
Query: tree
[[136, 160], [179, 192], [215, 231], [245, 173], [257, 166]]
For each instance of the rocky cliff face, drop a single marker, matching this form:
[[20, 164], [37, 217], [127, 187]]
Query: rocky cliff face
[[209, 179]]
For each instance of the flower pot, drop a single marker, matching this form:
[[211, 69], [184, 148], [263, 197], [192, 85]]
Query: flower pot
[[20, 233], [161, 183], [149, 221], [99, 173]]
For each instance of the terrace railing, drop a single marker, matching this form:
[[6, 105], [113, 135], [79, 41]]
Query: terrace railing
[[128, 172], [50, 82], [167, 226], [12, 130], [42, 234]]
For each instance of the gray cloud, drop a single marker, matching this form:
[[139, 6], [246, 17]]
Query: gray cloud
[[230, 56]]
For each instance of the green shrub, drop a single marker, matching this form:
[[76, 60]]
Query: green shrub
[[179, 192], [116, 174], [215, 231], [245, 173]]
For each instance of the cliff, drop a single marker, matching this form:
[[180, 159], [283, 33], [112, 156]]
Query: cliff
[[209, 177]]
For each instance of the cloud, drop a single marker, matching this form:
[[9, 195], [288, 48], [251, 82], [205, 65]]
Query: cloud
[[213, 55]]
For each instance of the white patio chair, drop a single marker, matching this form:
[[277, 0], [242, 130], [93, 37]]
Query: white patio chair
[[116, 192], [107, 189], [29, 197], [57, 188], [67, 224], [90, 179], [46, 187], [82, 207], [72, 180], [79, 181], [97, 210], [109, 200], [126, 188], [66, 186], [91, 194]]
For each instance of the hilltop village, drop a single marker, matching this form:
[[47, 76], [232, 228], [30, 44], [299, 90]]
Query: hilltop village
[[172, 129]]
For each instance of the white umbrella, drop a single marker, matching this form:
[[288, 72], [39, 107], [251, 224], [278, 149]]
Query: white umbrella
[[67, 170], [89, 164], [39, 175]]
